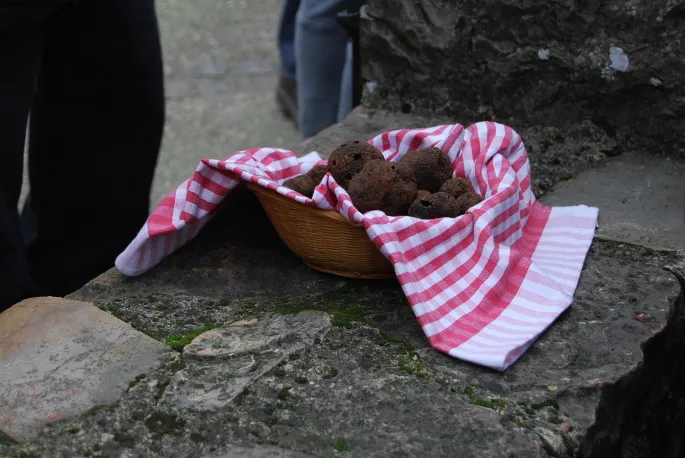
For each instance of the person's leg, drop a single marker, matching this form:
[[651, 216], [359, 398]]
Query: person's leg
[[19, 64], [286, 38], [95, 134], [320, 48], [346, 86], [286, 92]]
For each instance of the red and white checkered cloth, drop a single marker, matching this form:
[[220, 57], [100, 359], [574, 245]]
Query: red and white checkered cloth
[[483, 286]]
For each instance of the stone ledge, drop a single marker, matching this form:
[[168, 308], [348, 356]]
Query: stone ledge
[[372, 383], [61, 358]]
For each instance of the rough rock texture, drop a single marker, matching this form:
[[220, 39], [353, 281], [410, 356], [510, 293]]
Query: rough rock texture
[[221, 363], [618, 63], [641, 199], [60, 358], [643, 413], [368, 386]]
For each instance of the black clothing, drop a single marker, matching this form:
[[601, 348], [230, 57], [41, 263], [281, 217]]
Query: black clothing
[[91, 76]]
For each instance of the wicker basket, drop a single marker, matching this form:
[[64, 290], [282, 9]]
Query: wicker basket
[[324, 240]]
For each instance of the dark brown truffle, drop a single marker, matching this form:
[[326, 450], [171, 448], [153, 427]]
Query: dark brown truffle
[[438, 205], [431, 167], [422, 193], [385, 186], [317, 173], [468, 200], [302, 184], [348, 159], [456, 187]]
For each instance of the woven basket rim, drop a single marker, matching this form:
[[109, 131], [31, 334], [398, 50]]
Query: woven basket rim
[[314, 210]]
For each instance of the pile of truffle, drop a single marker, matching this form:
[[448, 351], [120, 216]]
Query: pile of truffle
[[419, 185]]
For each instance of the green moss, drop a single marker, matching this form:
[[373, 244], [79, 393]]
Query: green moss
[[340, 445], [159, 389], [384, 339], [197, 437], [411, 363], [528, 409], [28, 455], [93, 410], [124, 439], [331, 373], [482, 401], [279, 372], [178, 342], [136, 380], [284, 393], [6, 440], [162, 423], [553, 403], [345, 305], [115, 313]]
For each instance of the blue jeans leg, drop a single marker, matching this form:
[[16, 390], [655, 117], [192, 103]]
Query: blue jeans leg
[[346, 95], [286, 38], [320, 49]]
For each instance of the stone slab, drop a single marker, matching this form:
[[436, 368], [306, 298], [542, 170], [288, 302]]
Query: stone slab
[[371, 386], [259, 451], [222, 363], [59, 358], [641, 199]]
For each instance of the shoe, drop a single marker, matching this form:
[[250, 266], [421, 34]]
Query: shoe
[[286, 97]]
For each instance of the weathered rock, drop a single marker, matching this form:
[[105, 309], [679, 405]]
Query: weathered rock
[[59, 358], [372, 386], [258, 452], [617, 62], [641, 199], [222, 362], [643, 413]]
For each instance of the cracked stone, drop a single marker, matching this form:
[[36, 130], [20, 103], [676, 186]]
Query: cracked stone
[[222, 362], [60, 358]]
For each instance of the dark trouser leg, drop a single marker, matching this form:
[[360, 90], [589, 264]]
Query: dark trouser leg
[[19, 64], [286, 38], [95, 134]]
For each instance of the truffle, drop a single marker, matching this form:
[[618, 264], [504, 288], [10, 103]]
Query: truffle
[[348, 159], [302, 184], [456, 187], [468, 200], [438, 205], [431, 167], [422, 193], [385, 186], [317, 173]]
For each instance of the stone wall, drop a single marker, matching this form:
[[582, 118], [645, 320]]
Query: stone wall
[[618, 63]]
